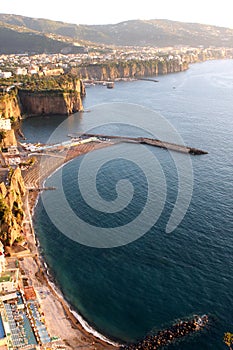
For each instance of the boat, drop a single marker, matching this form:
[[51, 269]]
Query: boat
[[110, 85]]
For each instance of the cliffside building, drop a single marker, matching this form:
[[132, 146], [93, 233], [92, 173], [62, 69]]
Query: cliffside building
[[5, 75], [5, 124], [2, 259], [21, 71]]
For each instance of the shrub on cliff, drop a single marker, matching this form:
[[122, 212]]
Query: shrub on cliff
[[4, 210], [2, 135]]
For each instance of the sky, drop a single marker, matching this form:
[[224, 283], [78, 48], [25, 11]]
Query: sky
[[213, 12]]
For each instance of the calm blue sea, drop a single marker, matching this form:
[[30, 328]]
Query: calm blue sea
[[127, 291]]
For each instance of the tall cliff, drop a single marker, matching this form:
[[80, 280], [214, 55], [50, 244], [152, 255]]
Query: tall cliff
[[10, 105], [11, 207], [131, 69], [43, 97], [48, 103], [65, 100]]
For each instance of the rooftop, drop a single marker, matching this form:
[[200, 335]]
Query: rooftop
[[30, 293], [6, 278]]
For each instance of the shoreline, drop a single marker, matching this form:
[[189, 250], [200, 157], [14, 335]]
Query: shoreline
[[85, 333]]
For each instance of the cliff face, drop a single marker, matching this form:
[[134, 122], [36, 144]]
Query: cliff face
[[131, 69], [48, 102], [9, 139], [11, 208], [39, 103], [10, 105], [65, 100]]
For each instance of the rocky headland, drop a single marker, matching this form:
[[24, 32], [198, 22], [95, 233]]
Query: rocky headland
[[131, 69], [10, 105], [42, 96], [12, 192], [141, 68], [53, 96]]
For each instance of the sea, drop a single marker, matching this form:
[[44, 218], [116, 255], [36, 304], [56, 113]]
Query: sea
[[138, 275]]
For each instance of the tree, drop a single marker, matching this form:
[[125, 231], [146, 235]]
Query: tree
[[4, 210], [2, 135]]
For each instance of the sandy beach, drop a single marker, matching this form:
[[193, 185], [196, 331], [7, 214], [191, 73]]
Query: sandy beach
[[59, 320]]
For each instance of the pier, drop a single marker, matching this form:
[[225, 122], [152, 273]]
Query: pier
[[148, 141], [149, 79], [40, 189]]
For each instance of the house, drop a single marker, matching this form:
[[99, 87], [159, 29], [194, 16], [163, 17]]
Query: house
[[5, 124], [21, 71], [53, 72], [5, 75], [2, 259]]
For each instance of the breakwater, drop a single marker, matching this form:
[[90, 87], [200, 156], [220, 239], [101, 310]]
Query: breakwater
[[165, 337], [149, 141]]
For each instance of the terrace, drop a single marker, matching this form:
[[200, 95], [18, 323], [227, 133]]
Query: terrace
[[23, 321], [37, 324]]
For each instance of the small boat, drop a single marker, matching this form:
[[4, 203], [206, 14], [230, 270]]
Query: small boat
[[110, 85]]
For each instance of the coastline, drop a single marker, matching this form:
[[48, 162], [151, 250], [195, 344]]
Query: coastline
[[80, 333]]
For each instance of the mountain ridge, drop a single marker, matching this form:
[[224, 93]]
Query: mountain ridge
[[155, 32]]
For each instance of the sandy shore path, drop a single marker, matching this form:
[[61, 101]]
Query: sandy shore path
[[59, 319]]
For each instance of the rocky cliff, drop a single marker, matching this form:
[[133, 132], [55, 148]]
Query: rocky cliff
[[65, 100], [131, 69], [11, 207], [10, 105], [63, 96], [48, 103]]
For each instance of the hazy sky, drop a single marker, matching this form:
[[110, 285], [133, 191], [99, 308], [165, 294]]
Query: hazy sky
[[108, 11]]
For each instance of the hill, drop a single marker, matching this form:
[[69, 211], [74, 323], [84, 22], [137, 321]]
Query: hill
[[20, 39], [159, 32]]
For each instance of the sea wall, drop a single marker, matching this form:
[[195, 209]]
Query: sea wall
[[130, 69], [11, 207]]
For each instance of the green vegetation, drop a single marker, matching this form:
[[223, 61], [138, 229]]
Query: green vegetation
[[4, 215], [47, 84], [5, 278], [2, 135], [4, 210], [11, 214], [30, 34], [30, 162], [61, 83], [18, 213], [14, 41], [12, 119], [10, 173]]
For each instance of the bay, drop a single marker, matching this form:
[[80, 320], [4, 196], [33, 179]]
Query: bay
[[128, 291]]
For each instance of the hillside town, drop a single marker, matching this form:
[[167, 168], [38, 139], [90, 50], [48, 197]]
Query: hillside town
[[55, 64]]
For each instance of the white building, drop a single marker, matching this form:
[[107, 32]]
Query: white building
[[33, 69], [5, 75], [2, 259], [21, 71], [5, 124]]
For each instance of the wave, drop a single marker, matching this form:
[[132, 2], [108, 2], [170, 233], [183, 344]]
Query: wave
[[79, 318], [91, 330]]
